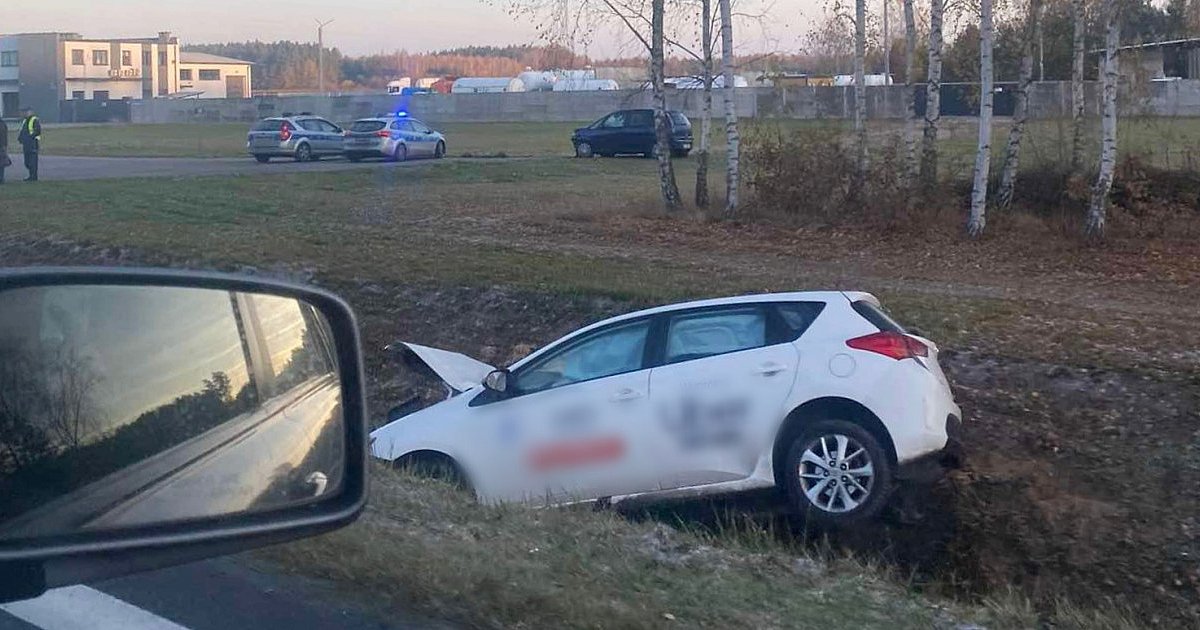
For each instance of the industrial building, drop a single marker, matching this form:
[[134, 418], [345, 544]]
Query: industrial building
[[54, 72]]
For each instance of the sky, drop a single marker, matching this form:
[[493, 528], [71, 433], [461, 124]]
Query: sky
[[360, 26]]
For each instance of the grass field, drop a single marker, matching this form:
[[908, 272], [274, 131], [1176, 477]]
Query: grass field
[[1173, 142], [1070, 360]]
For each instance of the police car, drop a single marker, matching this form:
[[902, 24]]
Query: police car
[[395, 137], [302, 137]]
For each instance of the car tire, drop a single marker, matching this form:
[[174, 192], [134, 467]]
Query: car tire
[[439, 152], [304, 153], [584, 150], [433, 466], [816, 467], [262, 159], [400, 154]]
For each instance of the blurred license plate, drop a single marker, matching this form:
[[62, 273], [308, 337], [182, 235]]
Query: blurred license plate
[[365, 141]]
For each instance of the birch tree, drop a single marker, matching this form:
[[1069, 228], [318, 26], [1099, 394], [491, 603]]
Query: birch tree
[[1094, 226], [732, 139], [706, 71], [1079, 17], [662, 124], [1012, 154], [977, 219], [860, 88], [910, 96], [933, 92]]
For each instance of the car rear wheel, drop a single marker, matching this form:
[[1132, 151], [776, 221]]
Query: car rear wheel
[[430, 465], [584, 150], [837, 473], [262, 159], [304, 153], [400, 154], [440, 151]]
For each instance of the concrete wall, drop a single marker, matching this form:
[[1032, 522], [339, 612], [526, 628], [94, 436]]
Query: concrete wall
[[1049, 99]]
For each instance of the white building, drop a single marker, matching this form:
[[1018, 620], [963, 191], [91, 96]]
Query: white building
[[213, 76], [44, 70], [487, 85]]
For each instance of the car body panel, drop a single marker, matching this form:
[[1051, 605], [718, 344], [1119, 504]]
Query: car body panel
[[680, 443], [458, 371]]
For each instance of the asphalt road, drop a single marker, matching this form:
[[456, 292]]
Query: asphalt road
[[218, 594], [58, 167]]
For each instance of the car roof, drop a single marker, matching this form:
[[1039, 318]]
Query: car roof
[[793, 296]]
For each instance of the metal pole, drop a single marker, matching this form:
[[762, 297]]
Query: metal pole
[[321, 54], [887, 47]]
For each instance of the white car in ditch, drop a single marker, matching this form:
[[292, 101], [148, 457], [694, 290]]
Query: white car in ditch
[[819, 393]]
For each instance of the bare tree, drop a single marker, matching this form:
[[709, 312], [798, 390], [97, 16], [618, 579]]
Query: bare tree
[[977, 219], [1012, 154], [1094, 226], [910, 95], [706, 70], [662, 124], [732, 139], [71, 415], [933, 93], [1079, 17], [860, 89]]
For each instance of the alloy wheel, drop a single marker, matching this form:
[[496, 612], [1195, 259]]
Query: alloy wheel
[[836, 473]]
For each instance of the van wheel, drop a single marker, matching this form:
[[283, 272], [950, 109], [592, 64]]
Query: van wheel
[[837, 473], [262, 159]]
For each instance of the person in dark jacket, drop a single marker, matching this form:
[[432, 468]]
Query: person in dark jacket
[[29, 137], [3, 148]]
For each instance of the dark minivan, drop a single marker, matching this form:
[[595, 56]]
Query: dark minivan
[[631, 131]]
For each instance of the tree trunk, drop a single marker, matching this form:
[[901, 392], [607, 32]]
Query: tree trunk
[[732, 140], [662, 124], [1079, 16], [860, 89], [1094, 227], [933, 93], [706, 106], [977, 218], [1012, 155], [910, 95]]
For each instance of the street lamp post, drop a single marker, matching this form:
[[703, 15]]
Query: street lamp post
[[321, 54]]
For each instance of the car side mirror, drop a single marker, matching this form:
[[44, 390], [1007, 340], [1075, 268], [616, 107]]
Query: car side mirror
[[497, 381], [151, 418]]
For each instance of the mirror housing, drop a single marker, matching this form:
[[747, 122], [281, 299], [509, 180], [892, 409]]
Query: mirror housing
[[497, 381], [130, 510]]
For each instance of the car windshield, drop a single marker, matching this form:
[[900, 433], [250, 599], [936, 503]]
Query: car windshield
[[899, 302], [367, 125]]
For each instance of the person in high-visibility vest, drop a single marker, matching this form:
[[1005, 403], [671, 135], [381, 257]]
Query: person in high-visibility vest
[[29, 137]]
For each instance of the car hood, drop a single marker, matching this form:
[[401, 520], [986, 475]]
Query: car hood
[[458, 371]]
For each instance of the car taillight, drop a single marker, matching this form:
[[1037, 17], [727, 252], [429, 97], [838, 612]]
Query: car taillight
[[890, 344], [383, 134], [285, 132]]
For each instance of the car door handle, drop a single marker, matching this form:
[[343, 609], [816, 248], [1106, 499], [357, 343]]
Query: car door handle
[[625, 395], [770, 369]]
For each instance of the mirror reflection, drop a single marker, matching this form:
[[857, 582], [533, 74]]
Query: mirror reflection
[[129, 406]]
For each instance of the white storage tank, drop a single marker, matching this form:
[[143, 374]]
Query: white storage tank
[[487, 85], [538, 80], [585, 85]]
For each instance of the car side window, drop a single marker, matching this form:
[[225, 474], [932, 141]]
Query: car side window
[[420, 126], [707, 333], [395, 126], [609, 352], [614, 121], [310, 125], [640, 118], [330, 127]]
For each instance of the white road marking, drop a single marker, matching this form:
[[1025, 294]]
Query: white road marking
[[83, 608]]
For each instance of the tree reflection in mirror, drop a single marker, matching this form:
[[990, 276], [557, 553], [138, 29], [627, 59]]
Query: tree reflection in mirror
[[132, 406]]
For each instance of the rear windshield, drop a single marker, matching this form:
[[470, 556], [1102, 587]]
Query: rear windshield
[[678, 119], [877, 316], [270, 124], [368, 125]]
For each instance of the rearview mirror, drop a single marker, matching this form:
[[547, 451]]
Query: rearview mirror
[[150, 418], [497, 381]]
